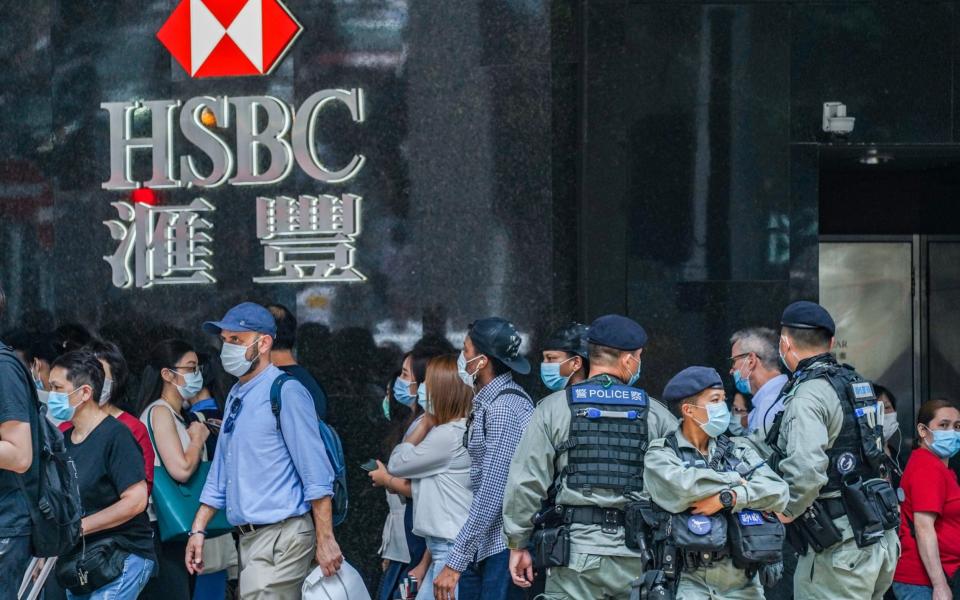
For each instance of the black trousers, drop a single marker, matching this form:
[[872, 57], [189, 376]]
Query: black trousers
[[172, 580]]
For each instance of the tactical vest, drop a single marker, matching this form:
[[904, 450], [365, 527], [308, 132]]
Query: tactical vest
[[859, 447], [608, 437]]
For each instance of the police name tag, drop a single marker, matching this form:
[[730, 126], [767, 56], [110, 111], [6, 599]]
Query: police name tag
[[699, 524], [863, 389], [750, 517]]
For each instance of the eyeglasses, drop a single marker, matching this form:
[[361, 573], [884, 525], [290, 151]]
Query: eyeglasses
[[177, 368], [733, 359], [231, 420]]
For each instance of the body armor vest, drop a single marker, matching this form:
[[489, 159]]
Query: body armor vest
[[608, 437]]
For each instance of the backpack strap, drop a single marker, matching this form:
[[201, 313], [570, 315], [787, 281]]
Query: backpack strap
[[275, 400]]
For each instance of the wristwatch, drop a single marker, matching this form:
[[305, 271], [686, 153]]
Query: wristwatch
[[727, 498]]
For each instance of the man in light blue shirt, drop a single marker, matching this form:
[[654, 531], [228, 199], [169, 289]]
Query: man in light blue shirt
[[275, 483], [755, 368]]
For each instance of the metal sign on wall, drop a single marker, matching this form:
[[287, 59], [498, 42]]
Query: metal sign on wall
[[308, 238]]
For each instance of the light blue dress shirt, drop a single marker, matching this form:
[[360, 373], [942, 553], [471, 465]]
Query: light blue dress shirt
[[766, 404], [258, 475]]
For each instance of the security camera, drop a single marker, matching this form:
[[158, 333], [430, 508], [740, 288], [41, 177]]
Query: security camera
[[835, 119]]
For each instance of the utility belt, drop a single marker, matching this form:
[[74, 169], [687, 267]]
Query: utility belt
[[870, 506], [550, 543]]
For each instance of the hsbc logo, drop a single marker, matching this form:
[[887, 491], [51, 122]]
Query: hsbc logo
[[229, 38]]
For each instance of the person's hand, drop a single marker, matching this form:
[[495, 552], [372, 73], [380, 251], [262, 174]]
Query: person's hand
[[194, 556], [329, 557], [198, 432], [380, 476], [419, 572], [707, 506], [941, 591], [384, 564], [445, 585], [521, 568], [785, 519], [38, 569]]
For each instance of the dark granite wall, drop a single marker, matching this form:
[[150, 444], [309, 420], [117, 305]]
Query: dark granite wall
[[543, 160]]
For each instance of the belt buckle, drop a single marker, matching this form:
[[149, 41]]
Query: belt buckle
[[246, 529], [610, 524]]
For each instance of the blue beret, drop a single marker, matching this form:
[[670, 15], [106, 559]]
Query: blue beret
[[244, 317], [690, 382], [804, 314], [618, 332]]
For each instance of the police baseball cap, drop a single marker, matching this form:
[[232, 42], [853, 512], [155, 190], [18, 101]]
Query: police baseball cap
[[804, 314], [244, 317], [617, 332], [572, 337], [498, 338], [690, 382]]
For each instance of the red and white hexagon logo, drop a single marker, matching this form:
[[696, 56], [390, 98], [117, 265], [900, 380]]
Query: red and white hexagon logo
[[229, 38]]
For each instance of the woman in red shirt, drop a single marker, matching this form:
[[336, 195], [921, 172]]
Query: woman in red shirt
[[930, 513]]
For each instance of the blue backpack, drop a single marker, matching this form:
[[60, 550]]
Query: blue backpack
[[331, 442]]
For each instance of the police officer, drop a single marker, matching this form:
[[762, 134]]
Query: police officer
[[587, 443], [700, 473], [827, 446], [565, 359]]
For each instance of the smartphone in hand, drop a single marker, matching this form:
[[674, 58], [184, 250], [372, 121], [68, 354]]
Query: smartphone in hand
[[370, 465]]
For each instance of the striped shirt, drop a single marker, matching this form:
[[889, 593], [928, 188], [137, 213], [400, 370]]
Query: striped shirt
[[501, 411]]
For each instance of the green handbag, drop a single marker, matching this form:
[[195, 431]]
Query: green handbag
[[175, 503]]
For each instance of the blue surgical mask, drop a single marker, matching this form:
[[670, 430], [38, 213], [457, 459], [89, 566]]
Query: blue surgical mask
[[736, 426], [467, 377], [193, 383], [946, 442], [551, 377], [58, 403], [718, 419], [401, 392], [422, 396], [386, 407], [741, 383], [37, 383], [636, 376]]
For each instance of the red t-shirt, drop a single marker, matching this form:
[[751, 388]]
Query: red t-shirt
[[928, 486], [140, 434]]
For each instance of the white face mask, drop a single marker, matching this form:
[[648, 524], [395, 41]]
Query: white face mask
[[890, 426], [193, 383], [234, 358], [105, 392]]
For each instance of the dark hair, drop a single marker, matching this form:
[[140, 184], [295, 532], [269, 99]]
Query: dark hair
[[928, 411], [400, 419], [82, 369], [164, 355], [110, 353], [809, 339], [213, 375], [71, 336], [499, 367], [43, 347], [747, 400], [426, 348], [880, 390], [602, 355], [286, 338]]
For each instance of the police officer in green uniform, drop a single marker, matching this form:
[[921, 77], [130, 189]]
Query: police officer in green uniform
[[565, 359], [827, 444], [708, 480], [583, 452]]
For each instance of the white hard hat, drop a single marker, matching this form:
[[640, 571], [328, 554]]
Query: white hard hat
[[346, 584]]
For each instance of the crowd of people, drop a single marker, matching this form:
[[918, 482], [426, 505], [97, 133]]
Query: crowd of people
[[193, 489]]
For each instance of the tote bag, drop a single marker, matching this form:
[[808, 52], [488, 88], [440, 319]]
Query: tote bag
[[175, 503]]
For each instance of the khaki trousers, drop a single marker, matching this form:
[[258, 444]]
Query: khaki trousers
[[845, 572], [275, 560], [593, 577]]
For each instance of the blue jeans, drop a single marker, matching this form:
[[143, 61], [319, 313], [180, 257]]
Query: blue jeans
[[906, 591], [489, 579], [439, 549], [14, 560], [136, 572]]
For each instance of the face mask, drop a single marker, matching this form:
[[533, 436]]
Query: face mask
[[718, 419], [386, 407], [736, 426], [105, 392], [37, 382], [58, 404], [551, 377], [741, 383], [422, 396], [193, 383], [636, 376], [890, 426], [465, 376], [234, 358], [401, 391], [946, 442]]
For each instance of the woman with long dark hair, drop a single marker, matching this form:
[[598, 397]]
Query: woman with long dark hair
[[171, 378]]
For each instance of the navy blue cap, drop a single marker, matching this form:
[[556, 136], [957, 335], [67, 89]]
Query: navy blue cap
[[804, 314], [244, 317], [572, 337], [499, 338], [690, 382], [618, 332]]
